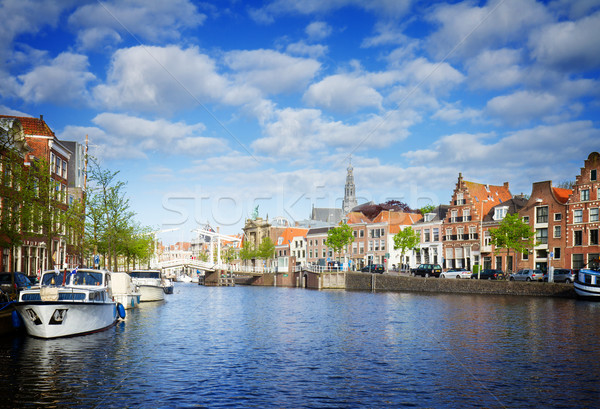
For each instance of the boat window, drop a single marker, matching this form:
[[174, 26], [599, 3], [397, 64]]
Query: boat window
[[52, 278], [145, 274], [71, 296], [86, 278], [31, 297]]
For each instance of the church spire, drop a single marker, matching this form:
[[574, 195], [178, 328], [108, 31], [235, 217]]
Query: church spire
[[350, 191]]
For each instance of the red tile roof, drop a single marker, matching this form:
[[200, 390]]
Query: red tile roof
[[562, 195], [289, 233], [32, 126], [493, 195], [394, 217], [357, 218]]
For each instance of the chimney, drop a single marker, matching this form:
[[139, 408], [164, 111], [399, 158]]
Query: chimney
[[506, 185], [41, 117]]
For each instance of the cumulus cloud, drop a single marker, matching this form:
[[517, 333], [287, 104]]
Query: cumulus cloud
[[454, 113], [465, 30], [270, 71], [343, 93], [301, 133], [160, 78], [496, 69], [123, 136], [523, 106], [318, 30], [570, 45], [147, 20], [310, 50], [64, 80]]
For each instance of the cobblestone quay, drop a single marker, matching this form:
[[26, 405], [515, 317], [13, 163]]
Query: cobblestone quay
[[386, 282]]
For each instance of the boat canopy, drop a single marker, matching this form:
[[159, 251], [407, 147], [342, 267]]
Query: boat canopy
[[145, 274]]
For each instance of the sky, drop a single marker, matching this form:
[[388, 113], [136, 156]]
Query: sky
[[210, 109]]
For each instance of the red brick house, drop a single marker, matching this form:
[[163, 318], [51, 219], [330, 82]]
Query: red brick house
[[463, 223], [583, 224], [546, 213]]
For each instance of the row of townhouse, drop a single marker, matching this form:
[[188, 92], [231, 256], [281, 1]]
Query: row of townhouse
[[565, 221], [34, 140]]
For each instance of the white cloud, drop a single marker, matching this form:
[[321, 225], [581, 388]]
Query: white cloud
[[454, 113], [310, 50], [318, 30], [466, 30], [496, 69], [270, 71], [64, 80], [343, 93], [387, 34], [437, 78], [147, 20], [123, 136], [9, 111], [523, 106], [305, 134], [160, 79], [570, 45]]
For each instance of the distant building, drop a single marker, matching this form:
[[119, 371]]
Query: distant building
[[349, 202]]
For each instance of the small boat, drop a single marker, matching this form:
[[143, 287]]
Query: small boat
[[150, 284], [67, 304], [167, 286], [184, 278], [124, 291], [587, 283]]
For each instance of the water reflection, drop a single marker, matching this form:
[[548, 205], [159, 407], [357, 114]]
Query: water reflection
[[276, 347]]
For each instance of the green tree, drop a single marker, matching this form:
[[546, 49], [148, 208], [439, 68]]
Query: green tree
[[339, 237], [266, 249], [406, 239], [247, 252], [427, 209], [513, 234]]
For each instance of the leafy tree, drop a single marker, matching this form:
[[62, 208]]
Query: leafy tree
[[339, 237], [513, 234], [427, 209], [266, 249], [406, 239], [248, 252]]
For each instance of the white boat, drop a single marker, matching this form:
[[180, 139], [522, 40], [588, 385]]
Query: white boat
[[184, 278], [149, 284], [167, 286], [69, 303], [587, 283], [124, 291]]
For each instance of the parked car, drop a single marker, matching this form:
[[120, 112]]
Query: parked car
[[562, 275], [527, 275], [456, 273], [427, 270], [374, 268], [20, 282], [489, 274]]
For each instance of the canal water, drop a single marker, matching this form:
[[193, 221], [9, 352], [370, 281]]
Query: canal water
[[219, 347]]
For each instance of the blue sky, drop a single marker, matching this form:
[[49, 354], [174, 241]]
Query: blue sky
[[209, 109]]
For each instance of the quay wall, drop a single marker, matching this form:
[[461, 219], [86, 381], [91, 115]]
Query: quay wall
[[386, 282]]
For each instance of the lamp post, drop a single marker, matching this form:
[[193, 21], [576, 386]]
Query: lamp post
[[481, 240]]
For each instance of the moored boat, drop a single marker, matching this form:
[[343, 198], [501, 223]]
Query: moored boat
[[67, 304], [167, 286], [124, 291], [587, 284], [149, 283]]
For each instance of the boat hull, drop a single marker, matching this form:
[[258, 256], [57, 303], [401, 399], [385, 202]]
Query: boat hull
[[587, 291], [151, 293], [128, 300], [43, 319]]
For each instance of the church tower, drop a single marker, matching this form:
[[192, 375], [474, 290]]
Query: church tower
[[350, 192]]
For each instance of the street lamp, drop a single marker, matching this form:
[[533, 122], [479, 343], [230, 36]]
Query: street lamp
[[481, 240]]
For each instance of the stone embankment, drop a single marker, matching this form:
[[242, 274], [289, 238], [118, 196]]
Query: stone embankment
[[386, 282]]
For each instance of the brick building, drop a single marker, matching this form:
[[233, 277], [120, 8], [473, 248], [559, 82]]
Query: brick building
[[429, 228], [463, 223], [582, 245]]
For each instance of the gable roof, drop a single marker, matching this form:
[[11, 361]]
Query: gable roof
[[288, 234], [490, 195], [395, 217], [32, 126], [562, 195], [357, 218], [328, 215]]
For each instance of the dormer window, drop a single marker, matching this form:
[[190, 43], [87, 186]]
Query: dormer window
[[429, 217], [500, 212]]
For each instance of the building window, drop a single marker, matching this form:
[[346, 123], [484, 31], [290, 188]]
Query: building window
[[460, 231], [448, 234], [585, 195], [541, 236], [454, 216], [472, 233], [382, 245], [541, 214], [525, 256], [370, 245], [362, 233], [500, 212], [577, 261], [577, 238], [578, 216], [593, 175], [498, 262], [556, 253], [427, 236], [557, 217], [557, 232], [460, 199], [594, 237], [436, 234], [526, 219], [466, 214], [594, 214]]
